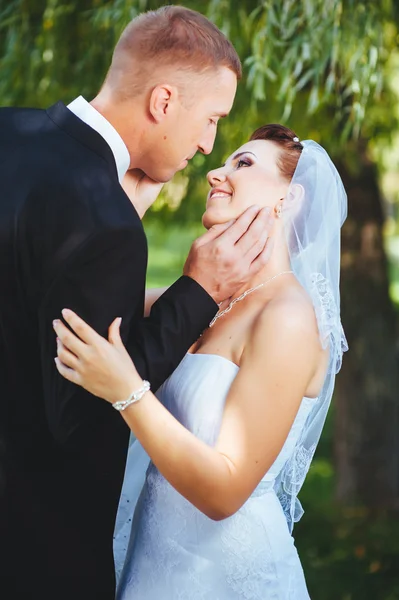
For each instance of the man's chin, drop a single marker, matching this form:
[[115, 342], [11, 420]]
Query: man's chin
[[161, 177], [167, 176]]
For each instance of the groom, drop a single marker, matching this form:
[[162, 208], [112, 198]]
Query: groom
[[69, 236]]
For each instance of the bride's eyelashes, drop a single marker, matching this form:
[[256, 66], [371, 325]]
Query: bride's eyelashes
[[243, 162]]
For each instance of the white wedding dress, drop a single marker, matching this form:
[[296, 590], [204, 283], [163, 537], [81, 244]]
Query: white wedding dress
[[166, 549]]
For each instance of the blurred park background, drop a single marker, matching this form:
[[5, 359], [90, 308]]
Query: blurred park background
[[329, 69]]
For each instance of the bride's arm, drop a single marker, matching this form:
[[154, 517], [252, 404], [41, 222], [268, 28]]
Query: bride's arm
[[261, 406], [151, 296]]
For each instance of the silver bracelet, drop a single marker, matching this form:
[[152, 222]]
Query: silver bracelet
[[134, 397]]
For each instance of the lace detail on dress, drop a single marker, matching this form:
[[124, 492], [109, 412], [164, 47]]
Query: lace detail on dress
[[161, 540], [246, 566], [249, 568]]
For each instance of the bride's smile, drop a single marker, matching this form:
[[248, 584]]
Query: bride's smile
[[249, 176]]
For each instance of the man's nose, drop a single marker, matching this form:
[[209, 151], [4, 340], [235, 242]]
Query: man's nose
[[206, 144]]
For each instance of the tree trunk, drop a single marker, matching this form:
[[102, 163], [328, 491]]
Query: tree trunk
[[366, 435]]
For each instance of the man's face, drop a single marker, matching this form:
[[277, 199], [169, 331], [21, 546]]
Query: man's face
[[191, 125]]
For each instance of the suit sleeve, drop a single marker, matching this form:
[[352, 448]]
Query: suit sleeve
[[103, 279], [158, 343]]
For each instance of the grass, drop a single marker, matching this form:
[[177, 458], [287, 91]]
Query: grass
[[168, 250]]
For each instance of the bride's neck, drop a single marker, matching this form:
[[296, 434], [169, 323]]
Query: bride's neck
[[278, 262]]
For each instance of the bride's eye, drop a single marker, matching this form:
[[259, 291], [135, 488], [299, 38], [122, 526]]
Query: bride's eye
[[243, 162]]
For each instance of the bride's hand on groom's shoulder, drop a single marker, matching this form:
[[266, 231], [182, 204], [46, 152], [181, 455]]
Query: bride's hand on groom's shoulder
[[103, 367], [230, 254], [141, 190]]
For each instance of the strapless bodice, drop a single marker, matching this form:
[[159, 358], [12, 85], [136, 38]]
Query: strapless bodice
[[196, 394]]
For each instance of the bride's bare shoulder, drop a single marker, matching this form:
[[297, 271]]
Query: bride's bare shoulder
[[288, 316], [284, 339]]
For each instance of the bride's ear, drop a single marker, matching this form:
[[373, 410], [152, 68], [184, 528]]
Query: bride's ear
[[294, 199]]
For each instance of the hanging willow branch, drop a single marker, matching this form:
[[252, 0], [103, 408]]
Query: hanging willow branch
[[334, 51]]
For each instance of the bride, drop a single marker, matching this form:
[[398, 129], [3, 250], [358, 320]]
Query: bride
[[231, 434]]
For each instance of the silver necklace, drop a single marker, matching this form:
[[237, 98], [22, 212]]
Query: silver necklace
[[220, 313]]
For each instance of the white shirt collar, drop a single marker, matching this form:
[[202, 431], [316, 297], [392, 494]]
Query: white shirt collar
[[87, 113]]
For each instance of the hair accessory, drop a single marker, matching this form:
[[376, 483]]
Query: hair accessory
[[296, 139]]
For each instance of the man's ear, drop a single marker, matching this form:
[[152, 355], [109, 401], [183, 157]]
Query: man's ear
[[162, 98]]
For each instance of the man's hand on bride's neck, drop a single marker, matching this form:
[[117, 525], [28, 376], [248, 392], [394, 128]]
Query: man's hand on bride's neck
[[141, 190]]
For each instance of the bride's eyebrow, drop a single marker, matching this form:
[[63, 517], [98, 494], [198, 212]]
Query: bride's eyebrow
[[240, 154]]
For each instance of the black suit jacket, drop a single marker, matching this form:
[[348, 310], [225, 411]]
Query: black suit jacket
[[69, 237]]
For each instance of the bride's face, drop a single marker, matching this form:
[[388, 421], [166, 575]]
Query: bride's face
[[249, 176]]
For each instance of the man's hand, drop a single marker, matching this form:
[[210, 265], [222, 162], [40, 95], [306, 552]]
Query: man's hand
[[229, 255], [142, 190]]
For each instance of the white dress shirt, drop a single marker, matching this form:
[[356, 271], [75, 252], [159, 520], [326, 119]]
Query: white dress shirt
[[87, 113]]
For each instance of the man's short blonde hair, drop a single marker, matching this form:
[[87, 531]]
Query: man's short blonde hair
[[170, 38]]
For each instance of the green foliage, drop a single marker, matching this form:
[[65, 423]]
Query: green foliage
[[318, 67], [336, 51], [347, 554], [168, 249]]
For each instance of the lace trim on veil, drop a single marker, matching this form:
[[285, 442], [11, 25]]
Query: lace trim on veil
[[291, 478], [328, 318], [290, 481]]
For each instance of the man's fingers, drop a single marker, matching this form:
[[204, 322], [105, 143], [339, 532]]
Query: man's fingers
[[242, 224], [227, 256], [263, 258], [260, 229], [214, 232], [258, 247]]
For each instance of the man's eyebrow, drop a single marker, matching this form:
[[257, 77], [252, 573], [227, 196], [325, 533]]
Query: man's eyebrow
[[241, 154]]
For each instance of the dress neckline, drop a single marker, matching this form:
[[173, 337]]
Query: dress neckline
[[230, 362], [223, 358]]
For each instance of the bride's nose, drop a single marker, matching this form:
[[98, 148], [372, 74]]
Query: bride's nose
[[216, 176]]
